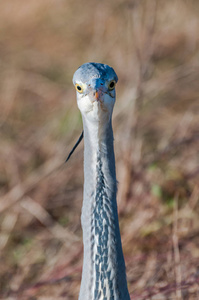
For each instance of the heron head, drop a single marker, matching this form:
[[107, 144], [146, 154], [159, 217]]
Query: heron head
[[95, 86]]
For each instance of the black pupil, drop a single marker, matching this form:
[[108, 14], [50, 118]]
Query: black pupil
[[112, 84], [79, 88]]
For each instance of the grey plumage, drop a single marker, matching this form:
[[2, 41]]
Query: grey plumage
[[94, 70], [103, 275]]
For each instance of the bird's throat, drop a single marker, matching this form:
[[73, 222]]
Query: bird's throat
[[103, 257]]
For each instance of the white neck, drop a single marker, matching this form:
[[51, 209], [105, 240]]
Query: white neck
[[103, 275]]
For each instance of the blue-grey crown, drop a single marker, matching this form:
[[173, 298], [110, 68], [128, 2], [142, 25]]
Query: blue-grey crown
[[91, 70]]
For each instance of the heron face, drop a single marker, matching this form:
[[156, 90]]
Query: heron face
[[96, 93]]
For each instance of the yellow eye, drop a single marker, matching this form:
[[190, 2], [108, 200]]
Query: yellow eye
[[79, 88], [111, 85]]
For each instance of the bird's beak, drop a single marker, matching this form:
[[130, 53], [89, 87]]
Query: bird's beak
[[97, 96]]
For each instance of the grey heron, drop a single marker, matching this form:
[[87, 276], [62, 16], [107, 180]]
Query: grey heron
[[103, 274]]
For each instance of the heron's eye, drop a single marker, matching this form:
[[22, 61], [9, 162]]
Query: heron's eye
[[79, 88], [111, 85]]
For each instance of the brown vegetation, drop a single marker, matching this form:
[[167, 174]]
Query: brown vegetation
[[154, 48]]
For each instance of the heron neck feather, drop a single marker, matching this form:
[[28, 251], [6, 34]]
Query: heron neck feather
[[103, 266]]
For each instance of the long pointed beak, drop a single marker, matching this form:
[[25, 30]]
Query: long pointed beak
[[97, 96]]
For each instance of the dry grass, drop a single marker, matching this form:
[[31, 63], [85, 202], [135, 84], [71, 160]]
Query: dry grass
[[154, 48]]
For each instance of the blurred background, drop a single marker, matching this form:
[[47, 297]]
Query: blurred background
[[154, 48]]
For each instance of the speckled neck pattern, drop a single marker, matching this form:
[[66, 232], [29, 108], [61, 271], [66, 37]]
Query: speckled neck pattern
[[104, 275], [102, 250]]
